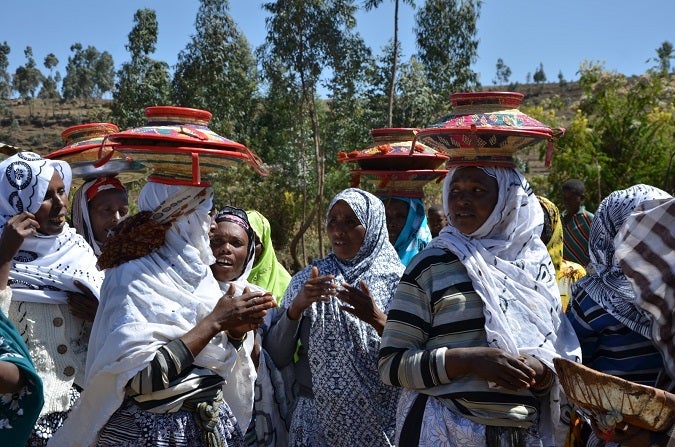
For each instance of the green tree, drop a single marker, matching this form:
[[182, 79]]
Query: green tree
[[371, 4], [216, 71], [308, 37], [503, 73], [49, 88], [623, 133], [664, 54], [415, 96], [143, 81], [446, 38], [89, 73], [27, 78], [5, 78], [539, 75]]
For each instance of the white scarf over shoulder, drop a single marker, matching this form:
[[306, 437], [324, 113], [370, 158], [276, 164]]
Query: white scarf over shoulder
[[145, 303]]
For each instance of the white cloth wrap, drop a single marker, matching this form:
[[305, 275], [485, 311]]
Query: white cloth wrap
[[145, 303]]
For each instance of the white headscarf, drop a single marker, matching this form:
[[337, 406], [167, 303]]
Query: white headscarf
[[46, 266], [513, 274], [145, 304]]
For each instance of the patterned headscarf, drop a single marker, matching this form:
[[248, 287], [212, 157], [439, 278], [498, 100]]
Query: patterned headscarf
[[343, 349], [605, 282], [415, 235], [645, 249], [267, 271], [46, 266], [80, 213]]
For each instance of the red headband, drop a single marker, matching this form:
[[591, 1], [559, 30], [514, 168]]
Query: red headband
[[102, 184]]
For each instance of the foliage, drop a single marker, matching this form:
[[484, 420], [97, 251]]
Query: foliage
[[415, 97], [539, 75], [664, 54], [392, 78], [216, 71], [89, 73], [446, 39], [143, 81], [5, 79], [623, 133], [27, 78], [503, 73]]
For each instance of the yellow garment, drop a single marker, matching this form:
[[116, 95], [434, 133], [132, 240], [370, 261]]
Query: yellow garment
[[570, 272]]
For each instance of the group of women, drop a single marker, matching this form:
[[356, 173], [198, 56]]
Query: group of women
[[196, 342]]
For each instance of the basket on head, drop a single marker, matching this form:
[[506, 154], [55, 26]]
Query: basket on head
[[599, 394], [91, 154], [486, 128], [393, 165], [179, 148]]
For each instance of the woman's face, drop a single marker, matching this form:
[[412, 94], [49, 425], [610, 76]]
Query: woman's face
[[345, 231], [105, 210], [52, 213], [471, 199], [229, 244], [397, 214]]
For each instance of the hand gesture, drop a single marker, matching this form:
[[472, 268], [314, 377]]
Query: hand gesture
[[83, 305], [361, 305], [317, 288], [16, 230], [492, 364], [241, 313]]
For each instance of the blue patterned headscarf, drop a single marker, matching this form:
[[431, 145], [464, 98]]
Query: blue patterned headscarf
[[415, 235], [605, 282], [343, 349]]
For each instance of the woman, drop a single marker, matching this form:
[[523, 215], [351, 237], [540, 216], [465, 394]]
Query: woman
[[21, 397], [614, 332], [407, 226], [49, 263], [97, 207], [342, 400], [267, 271], [160, 358], [566, 272], [476, 322]]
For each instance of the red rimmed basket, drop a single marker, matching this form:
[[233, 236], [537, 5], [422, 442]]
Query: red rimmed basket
[[179, 148], [91, 154], [391, 150], [487, 128]]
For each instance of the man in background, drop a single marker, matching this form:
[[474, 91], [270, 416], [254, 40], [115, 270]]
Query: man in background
[[576, 222], [436, 219]]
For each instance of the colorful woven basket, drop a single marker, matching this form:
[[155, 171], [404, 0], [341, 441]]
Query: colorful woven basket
[[179, 148], [391, 151], [486, 128], [602, 394], [91, 154], [391, 167]]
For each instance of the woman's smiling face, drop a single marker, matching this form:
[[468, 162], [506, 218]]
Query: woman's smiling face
[[345, 231], [472, 197], [229, 244], [51, 216]]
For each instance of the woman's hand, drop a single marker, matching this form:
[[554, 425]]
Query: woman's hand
[[491, 364], [16, 230], [361, 305], [83, 305], [241, 313], [317, 288]]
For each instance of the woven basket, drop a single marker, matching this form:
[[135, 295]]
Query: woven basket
[[486, 128], [392, 183], [179, 148], [91, 154], [599, 393]]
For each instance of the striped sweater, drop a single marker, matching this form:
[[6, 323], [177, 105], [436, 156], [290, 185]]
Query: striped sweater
[[435, 309]]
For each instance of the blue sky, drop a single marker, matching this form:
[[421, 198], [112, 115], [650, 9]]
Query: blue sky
[[524, 33]]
